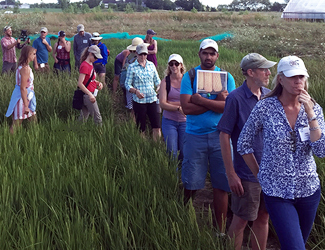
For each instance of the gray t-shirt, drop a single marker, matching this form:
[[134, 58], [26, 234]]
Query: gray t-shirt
[[80, 43]]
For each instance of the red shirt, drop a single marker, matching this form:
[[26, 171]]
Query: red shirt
[[86, 68]]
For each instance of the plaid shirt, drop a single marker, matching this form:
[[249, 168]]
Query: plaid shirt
[[8, 55], [144, 79]]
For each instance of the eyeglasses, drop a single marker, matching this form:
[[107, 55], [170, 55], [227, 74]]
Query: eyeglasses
[[171, 64], [293, 139]]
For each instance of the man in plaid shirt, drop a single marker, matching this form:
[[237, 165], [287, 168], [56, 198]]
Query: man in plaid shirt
[[141, 80], [8, 45]]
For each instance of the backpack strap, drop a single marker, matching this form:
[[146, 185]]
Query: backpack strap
[[192, 74], [167, 78]]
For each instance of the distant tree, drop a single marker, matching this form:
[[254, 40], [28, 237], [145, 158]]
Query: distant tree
[[277, 7], [160, 4], [63, 4], [189, 4], [238, 5], [92, 3]]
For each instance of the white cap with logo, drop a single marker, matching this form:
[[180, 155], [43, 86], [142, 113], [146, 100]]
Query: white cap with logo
[[209, 43], [292, 66]]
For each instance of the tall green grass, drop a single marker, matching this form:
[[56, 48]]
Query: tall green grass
[[66, 185]]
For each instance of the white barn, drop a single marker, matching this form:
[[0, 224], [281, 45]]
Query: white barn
[[305, 9]]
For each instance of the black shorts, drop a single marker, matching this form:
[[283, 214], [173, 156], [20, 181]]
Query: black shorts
[[100, 68], [141, 110]]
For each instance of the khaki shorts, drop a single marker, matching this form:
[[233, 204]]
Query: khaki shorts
[[247, 206]]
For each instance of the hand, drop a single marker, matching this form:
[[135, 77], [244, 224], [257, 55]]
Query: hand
[[305, 98], [56, 60], [196, 98], [100, 86], [18, 41], [44, 42], [181, 111], [27, 110], [28, 40], [138, 94], [235, 184], [222, 95], [36, 66], [92, 98]]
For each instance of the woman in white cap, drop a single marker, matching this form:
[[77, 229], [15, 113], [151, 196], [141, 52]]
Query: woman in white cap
[[153, 47], [292, 124], [61, 53], [87, 72], [173, 120]]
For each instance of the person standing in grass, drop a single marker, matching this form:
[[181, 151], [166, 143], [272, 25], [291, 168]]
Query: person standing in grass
[[153, 47], [201, 143], [42, 46], [9, 45], [247, 202], [292, 127], [173, 120], [90, 107], [100, 64], [61, 53], [80, 41], [23, 102], [141, 80]]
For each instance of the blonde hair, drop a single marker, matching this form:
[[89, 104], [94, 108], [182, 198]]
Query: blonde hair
[[24, 55], [84, 54], [277, 90], [148, 39], [168, 71]]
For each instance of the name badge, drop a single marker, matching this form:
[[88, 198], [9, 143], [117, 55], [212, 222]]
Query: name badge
[[59, 47], [42, 65], [85, 41], [304, 133]]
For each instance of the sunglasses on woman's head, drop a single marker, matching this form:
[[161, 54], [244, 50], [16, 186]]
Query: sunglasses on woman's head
[[171, 64]]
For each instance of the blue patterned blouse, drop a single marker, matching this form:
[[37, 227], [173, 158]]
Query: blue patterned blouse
[[288, 168]]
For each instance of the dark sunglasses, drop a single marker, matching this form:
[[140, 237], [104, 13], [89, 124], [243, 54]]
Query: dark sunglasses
[[293, 139], [171, 64]]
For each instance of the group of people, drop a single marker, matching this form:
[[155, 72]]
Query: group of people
[[256, 143]]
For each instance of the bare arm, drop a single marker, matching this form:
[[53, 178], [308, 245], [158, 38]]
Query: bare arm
[[48, 46], [125, 53], [35, 63], [164, 103], [190, 108], [83, 88], [54, 52], [24, 72], [251, 163], [233, 179], [67, 45], [155, 49]]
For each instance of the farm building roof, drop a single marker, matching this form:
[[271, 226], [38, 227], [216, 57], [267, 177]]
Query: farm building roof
[[302, 9]]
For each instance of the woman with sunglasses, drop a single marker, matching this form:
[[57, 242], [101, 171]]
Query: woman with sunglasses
[[90, 107], [173, 120], [292, 125]]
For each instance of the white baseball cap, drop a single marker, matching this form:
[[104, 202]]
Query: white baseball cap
[[209, 43], [292, 66], [175, 57], [142, 48]]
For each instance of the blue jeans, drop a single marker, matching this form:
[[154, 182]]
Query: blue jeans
[[292, 219], [173, 133]]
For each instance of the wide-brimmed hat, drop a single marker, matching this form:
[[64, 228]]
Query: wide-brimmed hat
[[95, 50], [96, 36], [255, 61], [175, 57], [135, 42], [292, 66]]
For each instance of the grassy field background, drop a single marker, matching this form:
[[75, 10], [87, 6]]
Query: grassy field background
[[70, 186]]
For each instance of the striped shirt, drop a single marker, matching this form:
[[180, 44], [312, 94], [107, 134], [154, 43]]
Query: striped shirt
[[8, 55], [144, 79]]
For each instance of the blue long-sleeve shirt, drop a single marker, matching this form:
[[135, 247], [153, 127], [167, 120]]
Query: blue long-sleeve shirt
[[103, 52]]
